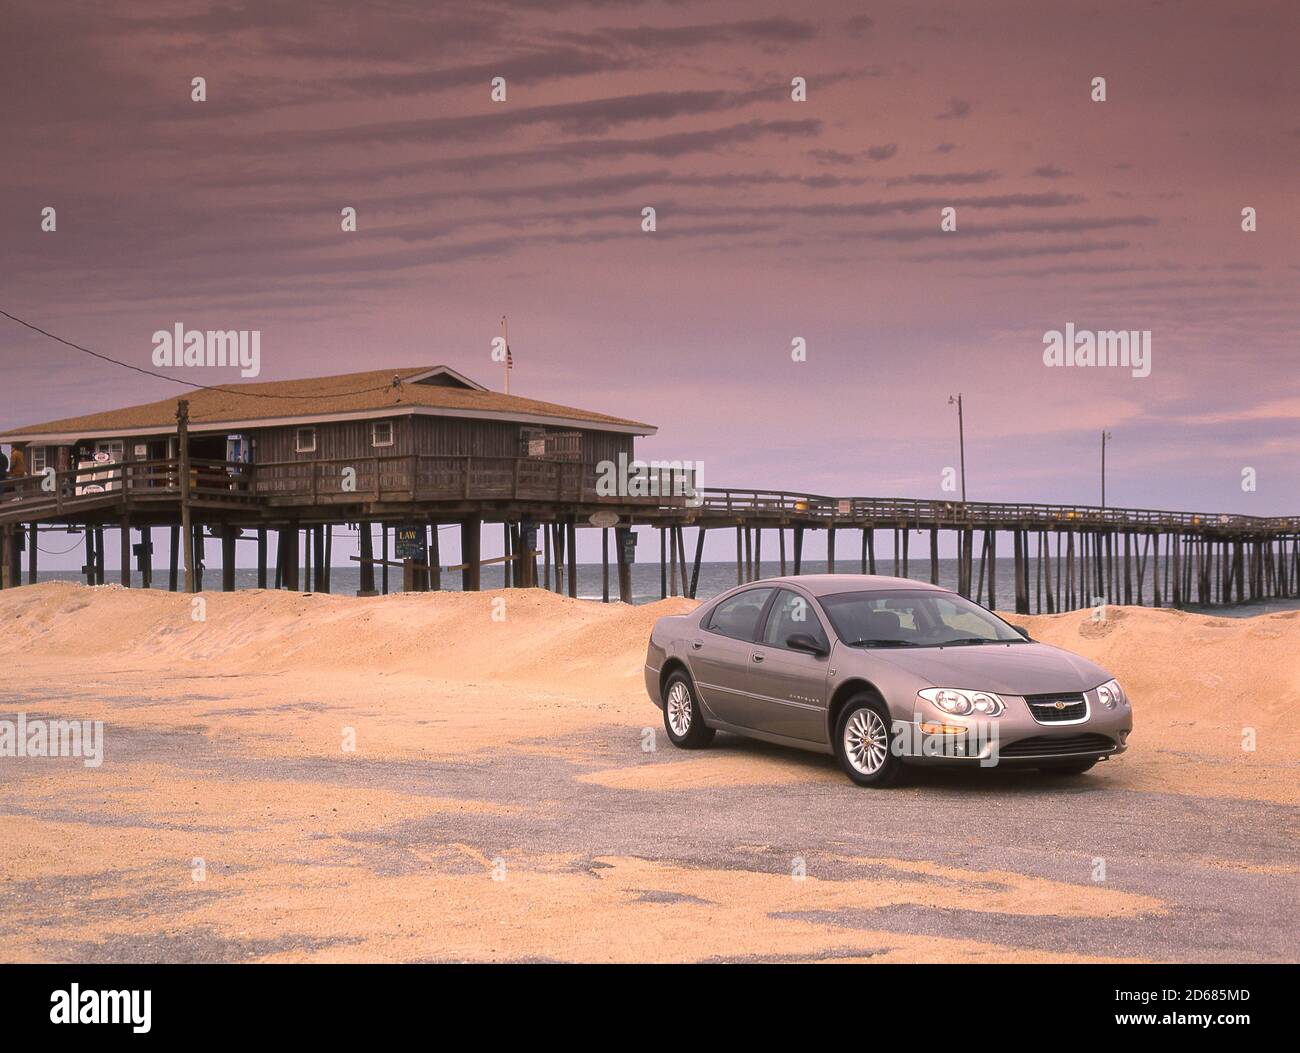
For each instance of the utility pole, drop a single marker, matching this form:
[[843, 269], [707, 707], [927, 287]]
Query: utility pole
[[1105, 437], [183, 451], [961, 437]]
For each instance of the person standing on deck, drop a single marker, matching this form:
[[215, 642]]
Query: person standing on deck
[[17, 464], [4, 470]]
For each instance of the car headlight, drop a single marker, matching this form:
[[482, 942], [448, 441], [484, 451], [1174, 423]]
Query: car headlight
[[964, 702], [1110, 694]]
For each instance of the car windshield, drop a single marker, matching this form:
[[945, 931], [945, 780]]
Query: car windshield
[[907, 618]]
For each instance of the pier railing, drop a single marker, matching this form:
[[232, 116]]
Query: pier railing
[[400, 478]]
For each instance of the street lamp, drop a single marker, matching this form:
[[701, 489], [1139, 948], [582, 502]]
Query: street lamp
[[1105, 438], [955, 400]]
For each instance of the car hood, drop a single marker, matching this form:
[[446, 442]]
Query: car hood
[[1010, 669]]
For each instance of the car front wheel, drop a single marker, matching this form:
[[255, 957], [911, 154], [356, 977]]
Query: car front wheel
[[863, 742], [682, 718]]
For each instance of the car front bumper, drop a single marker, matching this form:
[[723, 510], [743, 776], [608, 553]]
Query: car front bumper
[[1016, 738]]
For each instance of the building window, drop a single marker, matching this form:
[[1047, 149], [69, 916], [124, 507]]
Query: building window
[[305, 440], [381, 433], [37, 459]]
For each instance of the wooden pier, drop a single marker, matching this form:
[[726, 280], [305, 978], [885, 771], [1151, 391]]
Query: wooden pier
[[1065, 557]]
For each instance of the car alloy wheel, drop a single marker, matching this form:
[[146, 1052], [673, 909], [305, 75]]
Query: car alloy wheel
[[864, 742], [682, 720], [679, 708]]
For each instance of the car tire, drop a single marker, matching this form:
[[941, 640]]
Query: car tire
[[1067, 767], [863, 743], [682, 717]]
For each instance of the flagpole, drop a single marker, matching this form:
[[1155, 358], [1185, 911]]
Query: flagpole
[[505, 365]]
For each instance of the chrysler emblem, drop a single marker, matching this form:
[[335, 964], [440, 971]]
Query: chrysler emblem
[[1060, 705]]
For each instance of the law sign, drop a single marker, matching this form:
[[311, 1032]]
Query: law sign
[[410, 542]]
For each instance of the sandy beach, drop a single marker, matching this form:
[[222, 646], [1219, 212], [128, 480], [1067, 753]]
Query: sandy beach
[[499, 803]]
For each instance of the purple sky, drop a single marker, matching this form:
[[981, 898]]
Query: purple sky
[[776, 219]]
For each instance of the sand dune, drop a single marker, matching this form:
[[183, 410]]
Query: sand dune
[[1179, 666]]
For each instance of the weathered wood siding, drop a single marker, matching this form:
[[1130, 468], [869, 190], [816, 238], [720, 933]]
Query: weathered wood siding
[[425, 435]]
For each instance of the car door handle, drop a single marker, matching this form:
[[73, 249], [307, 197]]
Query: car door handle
[[696, 644], [757, 657]]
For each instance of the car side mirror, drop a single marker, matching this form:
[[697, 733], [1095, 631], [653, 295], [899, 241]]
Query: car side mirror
[[1022, 631], [805, 642]]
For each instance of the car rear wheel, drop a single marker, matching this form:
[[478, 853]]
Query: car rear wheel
[[863, 741], [682, 718], [1067, 767]]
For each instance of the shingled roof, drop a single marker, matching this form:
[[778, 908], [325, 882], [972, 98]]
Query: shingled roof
[[436, 390]]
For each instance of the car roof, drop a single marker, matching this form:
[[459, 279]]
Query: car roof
[[830, 584]]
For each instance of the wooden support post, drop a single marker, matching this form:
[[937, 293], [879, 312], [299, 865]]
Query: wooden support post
[[758, 552], [1128, 568], [991, 564], [896, 547], [183, 454], [934, 555], [433, 557], [318, 557], [663, 564], [830, 549], [798, 548], [672, 562], [383, 554], [1045, 558], [366, 572], [261, 558], [507, 572], [681, 558], [740, 566], [1018, 566], [124, 551], [871, 549], [173, 556], [546, 556], [289, 538], [1155, 570], [780, 542], [622, 545], [604, 564], [470, 554], [749, 554], [327, 561], [99, 555], [227, 557], [572, 547], [699, 555], [32, 549], [906, 538]]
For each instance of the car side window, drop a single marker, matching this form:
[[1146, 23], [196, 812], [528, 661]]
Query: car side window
[[738, 617], [790, 614]]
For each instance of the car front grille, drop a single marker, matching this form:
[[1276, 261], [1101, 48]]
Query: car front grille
[[1057, 709], [1057, 746]]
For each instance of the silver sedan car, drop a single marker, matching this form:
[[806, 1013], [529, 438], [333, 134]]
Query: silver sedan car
[[883, 673]]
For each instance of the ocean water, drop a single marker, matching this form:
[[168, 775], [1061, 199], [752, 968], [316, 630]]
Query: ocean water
[[715, 578]]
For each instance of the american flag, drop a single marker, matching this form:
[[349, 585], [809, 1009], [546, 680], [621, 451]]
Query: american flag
[[510, 359]]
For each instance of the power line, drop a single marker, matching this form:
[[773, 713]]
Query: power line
[[190, 383]]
